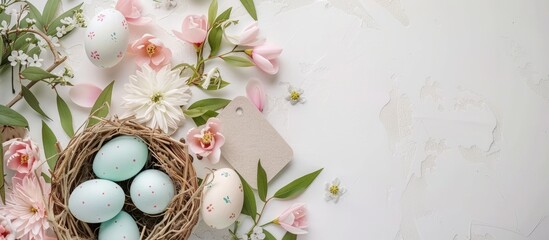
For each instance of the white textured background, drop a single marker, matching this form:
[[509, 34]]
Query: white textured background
[[432, 113]]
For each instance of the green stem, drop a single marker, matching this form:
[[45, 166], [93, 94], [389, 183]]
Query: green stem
[[259, 216]]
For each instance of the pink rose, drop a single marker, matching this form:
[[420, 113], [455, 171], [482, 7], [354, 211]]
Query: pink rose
[[131, 9], [150, 50], [21, 155], [193, 30], [207, 142], [293, 220], [264, 57]]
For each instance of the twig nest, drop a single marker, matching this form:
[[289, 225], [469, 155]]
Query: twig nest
[[168, 155]]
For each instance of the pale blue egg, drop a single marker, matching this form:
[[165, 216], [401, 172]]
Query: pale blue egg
[[120, 158], [96, 200], [120, 227], [152, 191]]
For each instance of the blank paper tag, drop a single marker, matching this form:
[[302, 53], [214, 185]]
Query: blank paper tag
[[250, 137]]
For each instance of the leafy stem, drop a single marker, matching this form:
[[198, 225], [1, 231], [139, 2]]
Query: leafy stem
[[259, 215]]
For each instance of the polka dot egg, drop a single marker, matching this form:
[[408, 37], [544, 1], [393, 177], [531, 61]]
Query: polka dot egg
[[121, 227], [96, 201], [120, 158], [152, 191], [222, 199]]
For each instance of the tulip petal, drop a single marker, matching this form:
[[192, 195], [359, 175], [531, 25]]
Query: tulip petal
[[84, 95], [265, 65], [293, 229], [254, 91], [139, 21], [268, 51]]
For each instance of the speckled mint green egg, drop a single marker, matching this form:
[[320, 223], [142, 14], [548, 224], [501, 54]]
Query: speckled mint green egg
[[120, 158], [122, 226]]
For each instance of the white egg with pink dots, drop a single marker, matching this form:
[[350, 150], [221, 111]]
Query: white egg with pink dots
[[152, 191], [96, 201]]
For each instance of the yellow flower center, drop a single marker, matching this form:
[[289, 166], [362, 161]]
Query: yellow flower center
[[207, 138], [157, 97], [334, 189], [24, 159], [33, 210], [151, 49], [276, 221], [295, 95]]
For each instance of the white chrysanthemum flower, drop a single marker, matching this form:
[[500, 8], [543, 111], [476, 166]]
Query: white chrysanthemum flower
[[155, 98]]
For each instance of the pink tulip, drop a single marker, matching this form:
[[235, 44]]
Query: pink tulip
[[193, 30], [254, 91], [207, 142], [293, 220], [131, 9], [248, 37], [150, 50], [21, 155], [264, 57]]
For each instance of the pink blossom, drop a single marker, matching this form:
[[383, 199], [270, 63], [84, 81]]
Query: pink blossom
[[7, 232], [26, 207], [193, 30], [150, 50], [21, 155], [248, 37], [254, 91], [207, 142], [132, 11], [293, 220], [264, 57]]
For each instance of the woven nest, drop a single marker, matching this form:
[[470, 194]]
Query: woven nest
[[170, 156]]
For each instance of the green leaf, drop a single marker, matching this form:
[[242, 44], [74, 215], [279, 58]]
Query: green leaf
[[223, 16], [34, 13], [249, 208], [57, 21], [238, 61], [212, 104], [212, 12], [10, 117], [199, 121], [289, 236], [36, 73], [250, 7], [261, 182], [216, 85], [50, 10], [21, 42], [200, 180], [1, 47], [268, 235], [46, 177], [298, 186], [65, 116], [197, 112], [34, 50], [2, 189], [49, 141], [216, 33], [101, 107], [33, 102]]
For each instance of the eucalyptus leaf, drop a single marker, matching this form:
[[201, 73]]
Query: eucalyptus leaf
[[50, 10], [262, 187], [201, 120], [289, 236], [101, 107], [268, 235], [32, 101], [250, 7], [10, 117], [36, 73], [65, 116], [49, 141], [249, 208], [297, 186], [57, 21], [238, 61], [212, 12], [2, 183]]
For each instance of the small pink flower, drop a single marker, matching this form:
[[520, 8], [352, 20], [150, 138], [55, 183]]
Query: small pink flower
[[248, 37], [293, 220], [264, 57], [7, 232], [21, 155], [254, 92], [193, 30], [207, 142], [150, 50], [131, 9]]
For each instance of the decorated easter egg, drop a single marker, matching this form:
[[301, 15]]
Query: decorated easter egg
[[96, 200], [106, 38], [152, 191], [120, 158], [122, 226], [223, 198]]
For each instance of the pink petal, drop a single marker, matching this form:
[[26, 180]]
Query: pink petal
[[215, 156], [254, 91], [293, 229], [268, 51], [270, 67], [194, 35], [84, 95], [139, 21], [124, 7]]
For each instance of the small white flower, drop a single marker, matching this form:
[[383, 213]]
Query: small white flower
[[61, 31], [4, 27], [257, 234], [18, 57], [168, 4], [14, 12], [243, 236], [296, 95], [35, 61], [155, 98], [31, 21], [334, 191], [212, 74], [69, 21]]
